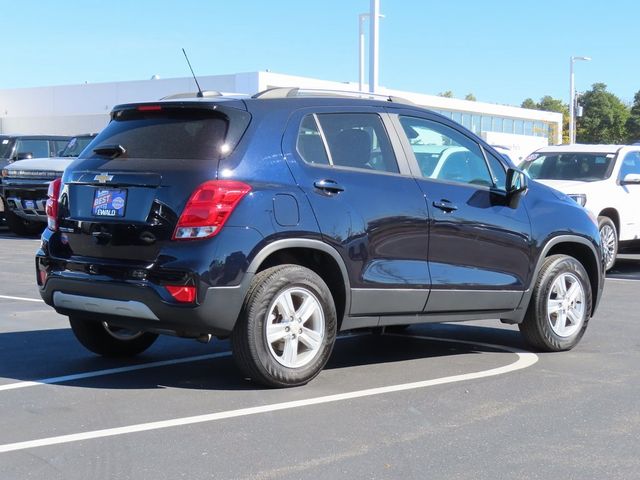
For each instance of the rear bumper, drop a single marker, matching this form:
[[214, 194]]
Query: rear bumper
[[144, 305]]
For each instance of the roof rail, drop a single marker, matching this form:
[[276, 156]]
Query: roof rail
[[297, 92], [205, 94]]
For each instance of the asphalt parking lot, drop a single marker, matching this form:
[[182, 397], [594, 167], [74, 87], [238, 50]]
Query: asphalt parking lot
[[433, 403]]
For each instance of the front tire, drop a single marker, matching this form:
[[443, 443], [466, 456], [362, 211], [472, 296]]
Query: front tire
[[286, 330], [560, 307], [609, 241], [109, 341]]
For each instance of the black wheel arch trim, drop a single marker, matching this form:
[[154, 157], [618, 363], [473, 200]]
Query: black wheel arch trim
[[552, 242], [310, 244]]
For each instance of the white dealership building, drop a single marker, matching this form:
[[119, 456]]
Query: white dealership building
[[84, 108]]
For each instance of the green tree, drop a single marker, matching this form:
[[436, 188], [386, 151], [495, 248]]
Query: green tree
[[471, 97], [604, 118], [529, 103], [633, 123], [447, 94]]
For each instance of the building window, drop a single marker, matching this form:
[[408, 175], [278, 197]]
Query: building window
[[508, 125]]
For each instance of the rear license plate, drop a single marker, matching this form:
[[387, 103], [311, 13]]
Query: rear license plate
[[29, 204], [108, 202]]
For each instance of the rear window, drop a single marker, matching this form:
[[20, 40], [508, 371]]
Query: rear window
[[171, 133]]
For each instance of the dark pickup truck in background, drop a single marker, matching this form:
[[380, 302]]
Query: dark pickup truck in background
[[32, 162]]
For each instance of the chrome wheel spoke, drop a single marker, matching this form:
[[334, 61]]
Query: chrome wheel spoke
[[554, 306], [311, 339], [573, 317], [561, 287], [276, 332], [290, 352], [307, 309], [561, 323], [573, 292], [285, 305]]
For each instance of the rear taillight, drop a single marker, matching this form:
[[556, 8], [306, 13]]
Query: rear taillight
[[182, 293], [52, 204], [208, 208]]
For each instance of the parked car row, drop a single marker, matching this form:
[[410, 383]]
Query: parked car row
[[30, 163]]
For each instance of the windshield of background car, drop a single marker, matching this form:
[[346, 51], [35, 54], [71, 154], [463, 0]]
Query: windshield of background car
[[584, 167], [6, 145], [166, 133], [75, 146]]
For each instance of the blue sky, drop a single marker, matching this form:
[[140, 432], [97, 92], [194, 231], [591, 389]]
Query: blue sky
[[502, 51]]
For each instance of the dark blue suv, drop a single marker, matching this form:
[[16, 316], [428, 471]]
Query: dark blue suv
[[284, 218]]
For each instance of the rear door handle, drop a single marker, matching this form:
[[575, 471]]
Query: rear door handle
[[445, 206], [329, 186]]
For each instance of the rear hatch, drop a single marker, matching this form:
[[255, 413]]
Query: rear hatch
[[121, 199]]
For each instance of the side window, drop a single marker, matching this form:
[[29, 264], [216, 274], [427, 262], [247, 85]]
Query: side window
[[37, 148], [309, 144], [445, 154], [498, 172], [358, 140], [630, 164]]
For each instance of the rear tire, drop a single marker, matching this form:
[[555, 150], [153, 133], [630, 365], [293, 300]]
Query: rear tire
[[609, 240], [20, 226], [99, 337], [560, 307], [287, 327]]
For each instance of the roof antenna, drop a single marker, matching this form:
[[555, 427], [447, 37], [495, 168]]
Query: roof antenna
[[200, 94]]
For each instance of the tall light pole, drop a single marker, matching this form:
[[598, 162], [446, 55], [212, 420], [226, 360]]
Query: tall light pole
[[361, 49], [361, 19], [572, 98], [374, 23]]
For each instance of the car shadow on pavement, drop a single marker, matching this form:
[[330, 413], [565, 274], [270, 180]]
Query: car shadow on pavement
[[41, 354]]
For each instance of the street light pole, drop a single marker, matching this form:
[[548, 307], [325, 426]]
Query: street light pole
[[572, 98], [374, 23], [361, 19]]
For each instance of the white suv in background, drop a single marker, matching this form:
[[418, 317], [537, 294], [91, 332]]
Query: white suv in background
[[605, 179]]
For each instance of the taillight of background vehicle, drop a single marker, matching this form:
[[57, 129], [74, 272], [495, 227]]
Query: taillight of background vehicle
[[208, 208], [52, 204]]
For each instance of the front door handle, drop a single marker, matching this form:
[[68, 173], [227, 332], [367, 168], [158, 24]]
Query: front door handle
[[329, 186], [445, 206]]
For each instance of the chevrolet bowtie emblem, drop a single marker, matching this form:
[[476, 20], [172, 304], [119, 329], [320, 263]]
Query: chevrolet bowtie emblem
[[103, 178]]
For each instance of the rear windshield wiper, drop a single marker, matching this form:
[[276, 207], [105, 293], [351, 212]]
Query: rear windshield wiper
[[112, 151]]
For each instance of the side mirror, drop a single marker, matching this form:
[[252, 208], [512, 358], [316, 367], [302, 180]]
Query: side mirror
[[24, 155], [631, 179], [517, 182]]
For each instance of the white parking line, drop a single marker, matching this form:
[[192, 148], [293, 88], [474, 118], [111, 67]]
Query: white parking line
[[24, 299], [525, 359], [111, 371]]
